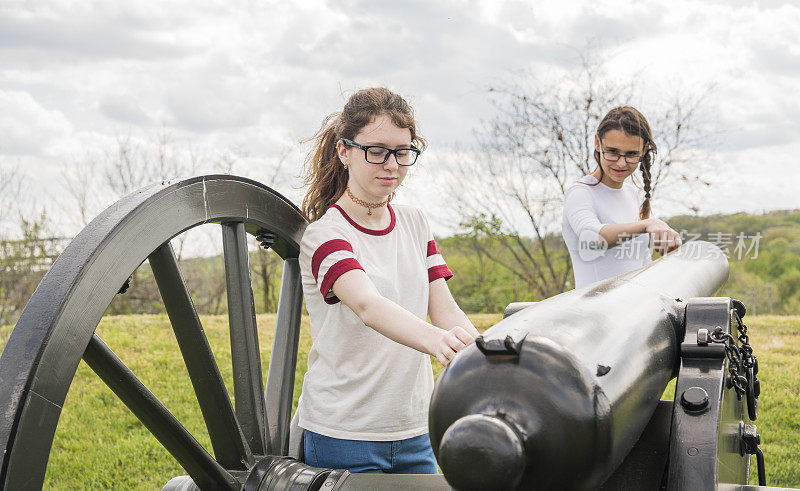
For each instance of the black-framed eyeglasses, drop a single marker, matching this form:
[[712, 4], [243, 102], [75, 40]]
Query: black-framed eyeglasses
[[614, 156], [375, 154]]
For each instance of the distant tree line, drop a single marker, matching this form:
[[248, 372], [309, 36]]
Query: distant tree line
[[23, 262], [765, 273], [763, 252]]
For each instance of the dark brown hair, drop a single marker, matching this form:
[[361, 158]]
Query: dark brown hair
[[631, 122], [325, 174]]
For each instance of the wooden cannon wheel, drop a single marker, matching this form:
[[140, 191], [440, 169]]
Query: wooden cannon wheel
[[57, 329]]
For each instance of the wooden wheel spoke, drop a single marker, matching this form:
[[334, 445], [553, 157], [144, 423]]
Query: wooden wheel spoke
[[201, 466], [230, 446], [248, 385], [280, 379]]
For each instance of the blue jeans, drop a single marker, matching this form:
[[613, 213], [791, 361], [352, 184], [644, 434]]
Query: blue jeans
[[410, 456]]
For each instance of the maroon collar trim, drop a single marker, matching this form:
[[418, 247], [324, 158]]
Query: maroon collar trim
[[365, 229]]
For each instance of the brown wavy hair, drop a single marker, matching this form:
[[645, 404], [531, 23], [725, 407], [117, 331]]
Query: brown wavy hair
[[633, 123], [325, 175]]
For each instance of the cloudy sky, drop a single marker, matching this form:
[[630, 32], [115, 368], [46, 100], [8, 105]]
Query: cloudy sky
[[249, 79]]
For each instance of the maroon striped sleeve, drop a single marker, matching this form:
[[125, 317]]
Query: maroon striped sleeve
[[440, 271], [334, 272], [432, 249], [325, 250]]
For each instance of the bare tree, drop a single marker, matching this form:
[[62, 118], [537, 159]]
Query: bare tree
[[82, 186], [509, 190], [97, 179], [132, 165], [11, 184]]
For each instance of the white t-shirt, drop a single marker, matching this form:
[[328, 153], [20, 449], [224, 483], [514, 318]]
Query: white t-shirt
[[361, 385], [588, 205]]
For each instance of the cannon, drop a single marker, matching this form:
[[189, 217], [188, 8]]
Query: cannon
[[557, 394], [563, 393]]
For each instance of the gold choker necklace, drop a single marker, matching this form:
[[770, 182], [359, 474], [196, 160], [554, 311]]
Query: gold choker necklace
[[369, 206]]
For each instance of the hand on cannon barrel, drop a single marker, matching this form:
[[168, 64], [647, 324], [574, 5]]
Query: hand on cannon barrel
[[665, 239], [448, 342]]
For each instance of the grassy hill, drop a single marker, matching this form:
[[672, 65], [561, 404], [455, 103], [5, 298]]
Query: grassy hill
[[99, 444]]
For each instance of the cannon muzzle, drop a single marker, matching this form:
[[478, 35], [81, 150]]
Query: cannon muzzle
[[556, 395]]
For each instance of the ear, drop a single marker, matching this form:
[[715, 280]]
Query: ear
[[597, 142], [341, 151]]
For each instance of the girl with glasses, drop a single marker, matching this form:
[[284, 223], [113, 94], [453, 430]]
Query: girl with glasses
[[606, 229], [371, 274]]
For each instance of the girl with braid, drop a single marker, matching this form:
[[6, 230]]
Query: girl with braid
[[606, 229], [371, 274]]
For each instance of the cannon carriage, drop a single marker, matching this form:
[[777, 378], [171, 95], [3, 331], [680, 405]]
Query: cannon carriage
[[561, 394]]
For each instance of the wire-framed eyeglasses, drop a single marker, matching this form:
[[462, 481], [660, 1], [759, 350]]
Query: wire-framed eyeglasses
[[614, 156], [375, 154]]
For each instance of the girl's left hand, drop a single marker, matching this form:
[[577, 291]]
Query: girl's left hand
[[449, 343], [665, 239]]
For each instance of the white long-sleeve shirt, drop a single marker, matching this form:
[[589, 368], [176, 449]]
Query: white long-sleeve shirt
[[588, 206]]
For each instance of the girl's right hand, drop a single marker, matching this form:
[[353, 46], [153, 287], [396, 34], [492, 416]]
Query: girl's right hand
[[665, 239], [449, 343]]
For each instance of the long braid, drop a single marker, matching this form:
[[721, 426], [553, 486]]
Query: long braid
[[644, 211], [647, 160]]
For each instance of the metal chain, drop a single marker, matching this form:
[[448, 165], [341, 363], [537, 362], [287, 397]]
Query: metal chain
[[743, 368], [734, 355], [741, 358], [735, 368], [748, 358], [743, 365]]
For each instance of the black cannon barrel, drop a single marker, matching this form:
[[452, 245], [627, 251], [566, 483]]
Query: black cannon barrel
[[555, 396]]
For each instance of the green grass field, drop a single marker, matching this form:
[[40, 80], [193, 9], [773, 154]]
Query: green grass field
[[99, 444]]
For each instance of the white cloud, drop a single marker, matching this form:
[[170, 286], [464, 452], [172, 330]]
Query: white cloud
[[26, 127], [257, 77], [125, 109], [82, 30]]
